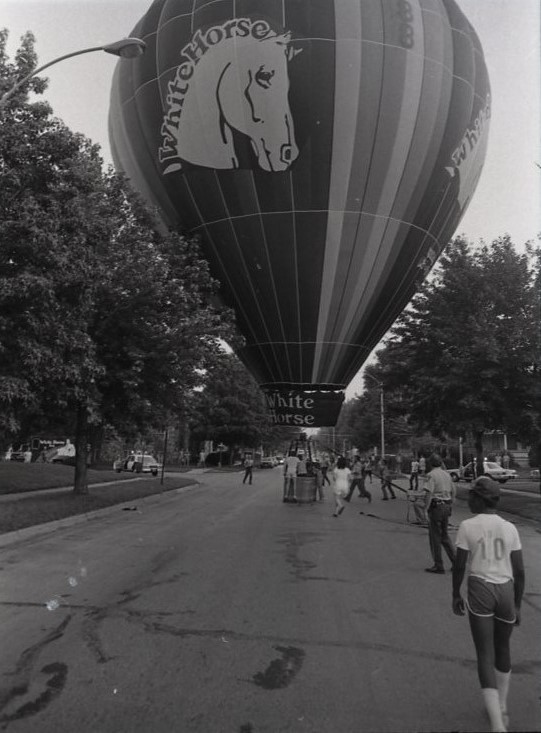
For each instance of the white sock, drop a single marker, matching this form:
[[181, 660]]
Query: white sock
[[502, 681], [492, 705]]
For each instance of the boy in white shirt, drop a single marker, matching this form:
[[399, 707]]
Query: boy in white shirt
[[495, 588]]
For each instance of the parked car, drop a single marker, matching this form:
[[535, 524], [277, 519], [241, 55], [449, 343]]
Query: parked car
[[279, 460], [134, 462], [494, 470], [267, 462], [18, 453]]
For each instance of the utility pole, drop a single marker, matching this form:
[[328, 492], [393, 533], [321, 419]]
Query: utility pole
[[381, 412]]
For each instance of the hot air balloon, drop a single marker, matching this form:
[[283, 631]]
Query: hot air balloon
[[325, 151]]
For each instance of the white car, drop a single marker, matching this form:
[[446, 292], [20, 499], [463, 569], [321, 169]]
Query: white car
[[134, 462], [492, 469]]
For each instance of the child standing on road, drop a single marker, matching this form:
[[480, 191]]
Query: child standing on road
[[341, 479], [495, 588]]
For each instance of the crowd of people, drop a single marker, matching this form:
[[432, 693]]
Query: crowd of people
[[487, 549]]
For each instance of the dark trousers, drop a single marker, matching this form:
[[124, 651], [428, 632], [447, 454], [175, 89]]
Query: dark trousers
[[386, 485], [438, 524], [247, 474], [414, 479], [324, 476], [359, 483]]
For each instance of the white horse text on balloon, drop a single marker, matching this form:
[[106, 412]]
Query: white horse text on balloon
[[234, 77]]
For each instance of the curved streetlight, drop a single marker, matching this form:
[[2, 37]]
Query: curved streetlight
[[128, 48]]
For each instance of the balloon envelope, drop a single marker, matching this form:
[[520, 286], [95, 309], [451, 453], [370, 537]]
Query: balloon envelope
[[325, 150]]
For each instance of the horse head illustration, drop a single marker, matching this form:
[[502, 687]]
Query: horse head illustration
[[240, 85]]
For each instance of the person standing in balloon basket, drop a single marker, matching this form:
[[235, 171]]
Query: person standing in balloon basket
[[358, 481], [341, 480], [385, 477], [248, 469], [495, 586], [291, 464], [440, 491]]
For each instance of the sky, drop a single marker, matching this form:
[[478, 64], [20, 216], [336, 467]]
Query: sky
[[508, 196]]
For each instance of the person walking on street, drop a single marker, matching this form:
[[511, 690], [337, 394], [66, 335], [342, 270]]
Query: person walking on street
[[324, 463], [319, 480], [385, 476], [291, 464], [414, 475], [441, 492], [248, 469], [367, 469], [422, 466], [358, 481], [341, 480], [494, 592]]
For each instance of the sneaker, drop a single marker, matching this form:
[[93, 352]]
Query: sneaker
[[434, 569]]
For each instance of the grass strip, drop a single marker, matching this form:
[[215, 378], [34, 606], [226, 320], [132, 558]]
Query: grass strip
[[32, 510]]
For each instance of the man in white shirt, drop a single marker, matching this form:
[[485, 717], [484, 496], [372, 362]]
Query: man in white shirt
[[440, 492], [291, 466], [495, 588]]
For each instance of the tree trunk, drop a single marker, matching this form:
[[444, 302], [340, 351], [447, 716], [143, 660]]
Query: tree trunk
[[480, 468], [81, 450]]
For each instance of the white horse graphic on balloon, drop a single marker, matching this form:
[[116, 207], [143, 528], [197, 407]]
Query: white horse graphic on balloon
[[240, 84]]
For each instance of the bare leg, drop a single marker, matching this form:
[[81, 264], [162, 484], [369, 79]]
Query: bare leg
[[482, 630], [502, 649]]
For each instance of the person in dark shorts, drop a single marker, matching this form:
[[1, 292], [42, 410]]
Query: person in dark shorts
[[495, 587]]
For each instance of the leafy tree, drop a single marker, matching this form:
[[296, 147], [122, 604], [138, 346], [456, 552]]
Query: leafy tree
[[461, 356], [103, 317], [231, 409]]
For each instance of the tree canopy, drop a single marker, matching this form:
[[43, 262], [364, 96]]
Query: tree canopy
[[230, 409], [103, 317], [464, 356]]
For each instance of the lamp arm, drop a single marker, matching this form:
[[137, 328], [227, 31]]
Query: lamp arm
[[37, 71]]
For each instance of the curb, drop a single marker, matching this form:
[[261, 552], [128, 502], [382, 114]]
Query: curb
[[19, 535]]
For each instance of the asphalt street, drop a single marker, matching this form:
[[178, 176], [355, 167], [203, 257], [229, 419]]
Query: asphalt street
[[222, 610]]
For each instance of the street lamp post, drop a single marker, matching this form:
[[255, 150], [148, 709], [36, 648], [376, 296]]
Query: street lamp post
[[382, 419], [126, 48]]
